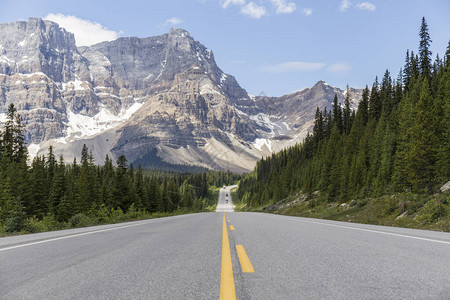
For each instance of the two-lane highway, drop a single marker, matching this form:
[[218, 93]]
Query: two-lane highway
[[186, 257], [225, 203]]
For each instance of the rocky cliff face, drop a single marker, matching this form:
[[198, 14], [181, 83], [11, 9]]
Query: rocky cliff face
[[192, 111], [136, 96]]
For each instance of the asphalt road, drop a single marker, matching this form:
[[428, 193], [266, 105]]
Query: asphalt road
[[224, 202], [182, 258]]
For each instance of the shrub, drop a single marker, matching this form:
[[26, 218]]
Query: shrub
[[429, 213], [81, 220], [362, 202], [14, 223], [116, 215], [34, 225]]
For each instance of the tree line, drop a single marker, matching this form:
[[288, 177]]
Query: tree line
[[56, 192], [398, 140]]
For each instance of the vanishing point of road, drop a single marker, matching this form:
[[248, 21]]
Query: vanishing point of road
[[227, 255]]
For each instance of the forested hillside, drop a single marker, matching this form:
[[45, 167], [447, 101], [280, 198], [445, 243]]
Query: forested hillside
[[397, 141], [51, 195]]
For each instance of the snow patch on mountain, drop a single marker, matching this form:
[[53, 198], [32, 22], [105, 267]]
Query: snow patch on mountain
[[272, 122], [2, 118], [81, 126], [263, 119], [241, 112], [23, 43], [223, 77], [208, 89], [259, 143], [76, 85], [33, 150]]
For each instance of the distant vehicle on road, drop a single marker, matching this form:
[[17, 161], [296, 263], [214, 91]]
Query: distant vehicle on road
[[223, 187], [227, 194]]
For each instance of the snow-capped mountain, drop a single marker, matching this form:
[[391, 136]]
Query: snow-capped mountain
[[140, 96]]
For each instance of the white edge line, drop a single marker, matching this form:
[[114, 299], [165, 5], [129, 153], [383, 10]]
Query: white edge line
[[376, 231], [85, 233]]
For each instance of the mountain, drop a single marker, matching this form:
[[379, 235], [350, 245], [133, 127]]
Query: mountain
[[159, 98]]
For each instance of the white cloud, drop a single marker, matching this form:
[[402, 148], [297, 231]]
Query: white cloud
[[307, 11], [366, 6], [344, 5], [282, 7], [173, 21], [86, 32], [253, 10], [233, 2], [293, 67], [339, 68]]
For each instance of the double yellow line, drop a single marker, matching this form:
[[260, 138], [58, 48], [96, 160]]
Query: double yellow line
[[227, 288]]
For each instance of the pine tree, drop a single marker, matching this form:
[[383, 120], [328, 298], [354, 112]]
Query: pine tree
[[407, 71], [347, 113], [375, 104], [363, 106], [12, 140], [59, 186], [442, 112], [121, 190], [337, 114], [414, 61], [50, 165], [319, 128], [386, 94], [154, 196], [424, 50], [11, 209], [398, 90], [422, 158], [447, 55], [40, 189]]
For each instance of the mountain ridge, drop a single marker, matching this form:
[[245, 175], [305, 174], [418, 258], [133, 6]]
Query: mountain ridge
[[134, 95]]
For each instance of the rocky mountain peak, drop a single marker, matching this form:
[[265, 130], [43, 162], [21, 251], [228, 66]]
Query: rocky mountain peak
[[37, 46], [320, 83], [134, 96], [321, 86], [178, 32]]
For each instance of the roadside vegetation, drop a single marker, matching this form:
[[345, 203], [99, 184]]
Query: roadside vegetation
[[420, 211], [383, 164]]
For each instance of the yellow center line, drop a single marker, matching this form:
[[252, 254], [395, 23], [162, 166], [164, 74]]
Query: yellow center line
[[231, 227], [244, 260], [227, 290]]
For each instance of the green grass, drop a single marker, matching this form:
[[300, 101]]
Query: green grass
[[238, 204], [49, 223], [104, 216], [400, 210]]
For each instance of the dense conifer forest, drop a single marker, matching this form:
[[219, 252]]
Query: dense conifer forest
[[49, 194], [397, 141]]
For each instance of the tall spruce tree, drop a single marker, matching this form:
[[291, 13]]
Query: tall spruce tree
[[347, 113], [407, 71], [424, 50], [337, 114], [375, 104], [422, 158]]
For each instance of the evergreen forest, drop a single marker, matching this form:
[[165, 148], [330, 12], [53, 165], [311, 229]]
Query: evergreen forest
[[398, 141], [49, 194]]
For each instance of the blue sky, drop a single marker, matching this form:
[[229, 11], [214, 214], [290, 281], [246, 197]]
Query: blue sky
[[274, 46]]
